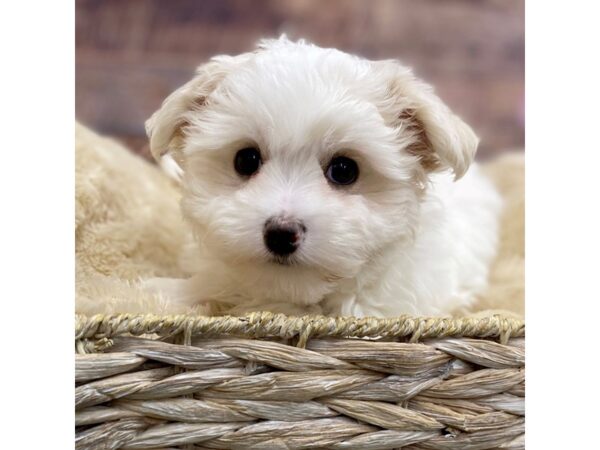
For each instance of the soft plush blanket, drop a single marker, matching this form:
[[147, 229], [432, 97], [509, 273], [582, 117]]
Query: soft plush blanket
[[128, 227]]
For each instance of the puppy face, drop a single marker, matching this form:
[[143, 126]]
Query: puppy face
[[302, 164]]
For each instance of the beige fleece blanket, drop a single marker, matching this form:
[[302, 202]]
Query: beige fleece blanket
[[128, 227]]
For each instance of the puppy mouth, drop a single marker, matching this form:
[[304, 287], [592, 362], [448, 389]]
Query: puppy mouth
[[292, 263], [283, 261]]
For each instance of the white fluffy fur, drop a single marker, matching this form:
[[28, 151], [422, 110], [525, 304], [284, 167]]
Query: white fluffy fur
[[405, 238]]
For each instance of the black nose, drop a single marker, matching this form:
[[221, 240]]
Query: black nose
[[282, 235]]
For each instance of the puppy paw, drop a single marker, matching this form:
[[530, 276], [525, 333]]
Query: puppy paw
[[161, 286], [175, 295]]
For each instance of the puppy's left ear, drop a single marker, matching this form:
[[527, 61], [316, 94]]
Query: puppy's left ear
[[441, 139], [165, 127]]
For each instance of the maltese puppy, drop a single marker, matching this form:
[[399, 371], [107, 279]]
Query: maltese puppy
[[314, 177]]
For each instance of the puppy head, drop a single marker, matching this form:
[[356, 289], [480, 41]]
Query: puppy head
[[302, 164]]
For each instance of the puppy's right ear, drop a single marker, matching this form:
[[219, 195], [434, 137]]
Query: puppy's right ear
[[165, 127], [442, 140]]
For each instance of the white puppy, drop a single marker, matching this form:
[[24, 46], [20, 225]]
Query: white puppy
[[311, 176]]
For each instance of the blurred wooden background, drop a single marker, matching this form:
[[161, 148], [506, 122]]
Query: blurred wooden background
[[130, 54]]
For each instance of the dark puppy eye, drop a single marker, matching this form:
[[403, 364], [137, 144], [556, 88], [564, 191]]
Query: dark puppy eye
[[342, 170], [247, 161]]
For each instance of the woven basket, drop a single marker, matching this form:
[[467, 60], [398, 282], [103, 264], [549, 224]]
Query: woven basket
[[268, 381]]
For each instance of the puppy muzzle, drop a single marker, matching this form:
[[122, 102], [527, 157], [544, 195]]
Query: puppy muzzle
[[283, 235]]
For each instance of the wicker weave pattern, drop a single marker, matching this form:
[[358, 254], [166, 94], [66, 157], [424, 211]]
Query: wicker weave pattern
[[191, 389], [265, 324]]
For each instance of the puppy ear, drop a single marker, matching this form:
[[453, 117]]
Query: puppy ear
[[440, 138], [165, 127]]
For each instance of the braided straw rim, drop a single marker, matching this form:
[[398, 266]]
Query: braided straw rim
[[266, 324]]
